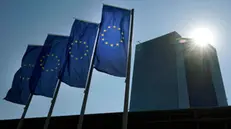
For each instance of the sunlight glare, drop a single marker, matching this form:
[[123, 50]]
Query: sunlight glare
[[202, 36]]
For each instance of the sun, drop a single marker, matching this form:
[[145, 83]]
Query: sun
[[202, 36]]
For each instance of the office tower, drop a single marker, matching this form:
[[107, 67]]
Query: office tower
[[169, 74]]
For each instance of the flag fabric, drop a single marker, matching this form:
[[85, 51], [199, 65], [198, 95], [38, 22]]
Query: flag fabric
[[79, 52], [49, 64], [111, 53], [19, 92]]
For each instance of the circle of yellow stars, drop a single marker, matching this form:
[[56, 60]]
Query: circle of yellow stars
[[49, 69], [112, 44], [28, 66], [85, 52]]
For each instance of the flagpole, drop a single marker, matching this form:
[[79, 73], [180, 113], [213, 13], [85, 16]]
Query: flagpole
[[127, 81], [24, 112], [52, 105], [88, 82]]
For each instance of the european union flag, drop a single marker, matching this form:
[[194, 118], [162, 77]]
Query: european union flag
[[19, 92], [111, 54], [47, 70], [79, 52]]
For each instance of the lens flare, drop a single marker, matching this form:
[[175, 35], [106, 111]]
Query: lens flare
[[202, 36]]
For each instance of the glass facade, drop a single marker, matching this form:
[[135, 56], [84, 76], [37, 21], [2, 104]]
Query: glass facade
[[169, 75]]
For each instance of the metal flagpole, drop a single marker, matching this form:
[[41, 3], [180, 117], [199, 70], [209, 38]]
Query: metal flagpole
[[88, 82], [24, 112], [52, 105], [126, 96]]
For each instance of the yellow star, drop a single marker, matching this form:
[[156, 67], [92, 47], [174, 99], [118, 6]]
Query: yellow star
[[76, 58], [58, 60], [29, 65], [102, 34], [104, 30], [76, 41], [41, 64], [41, 60], [81, 57], [69, 52], [85, 54], [22, 78], [56, 67], [52, 55], [28, 78], [106, 42], [86, 50], [109, 26], [72, 55], [117, 44], [56, 56], [52, 70], [84, 42], [47, 70], [58, 63], [122, 33], [102, 39], [114, 26], [70, 48], [80, 41], [72, 43], [43, 56], [118, 28], [43, 68], [111, 45], [86, 46], [121, 41]]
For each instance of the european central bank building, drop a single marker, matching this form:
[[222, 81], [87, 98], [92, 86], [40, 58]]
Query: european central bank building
[[175, 73]]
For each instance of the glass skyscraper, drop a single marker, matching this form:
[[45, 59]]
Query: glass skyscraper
[[169, 74]]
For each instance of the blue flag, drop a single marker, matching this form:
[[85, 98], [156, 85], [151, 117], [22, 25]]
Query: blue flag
[[19, 92], [47, 69], [79, 53], [111, 53]]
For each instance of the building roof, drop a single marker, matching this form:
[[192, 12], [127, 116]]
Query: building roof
[[169, 36]]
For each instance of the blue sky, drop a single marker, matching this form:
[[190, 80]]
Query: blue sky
[[28, 22]]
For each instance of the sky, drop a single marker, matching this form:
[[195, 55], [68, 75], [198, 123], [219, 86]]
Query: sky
[[28, 22]]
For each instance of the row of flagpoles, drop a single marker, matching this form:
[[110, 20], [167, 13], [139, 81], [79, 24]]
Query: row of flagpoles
[[106, 47]]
